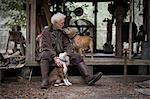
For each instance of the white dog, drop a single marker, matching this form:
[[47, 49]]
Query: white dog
[[65, 62]]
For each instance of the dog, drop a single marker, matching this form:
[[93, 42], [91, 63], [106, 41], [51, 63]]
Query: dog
[[80, 43], [59, 75]]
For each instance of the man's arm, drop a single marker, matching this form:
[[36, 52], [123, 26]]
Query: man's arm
[[46, 44]]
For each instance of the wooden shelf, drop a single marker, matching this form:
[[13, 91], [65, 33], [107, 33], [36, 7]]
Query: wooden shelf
[[12, 66]]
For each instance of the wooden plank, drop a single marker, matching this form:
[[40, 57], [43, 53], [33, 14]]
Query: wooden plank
[[12, 66], [130, 29], [47, 12], [28, 30], [33, 30]]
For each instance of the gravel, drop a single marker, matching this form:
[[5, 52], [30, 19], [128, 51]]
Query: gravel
[[106, 88]]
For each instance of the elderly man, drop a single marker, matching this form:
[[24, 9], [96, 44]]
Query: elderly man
[[55, 41]]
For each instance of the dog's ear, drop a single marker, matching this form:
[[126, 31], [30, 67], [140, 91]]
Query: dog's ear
[[74, 31], [69, 29]]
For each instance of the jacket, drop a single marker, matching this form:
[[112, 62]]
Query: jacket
[[55, 41]]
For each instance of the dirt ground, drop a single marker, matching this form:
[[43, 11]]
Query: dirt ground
[[106, 88]]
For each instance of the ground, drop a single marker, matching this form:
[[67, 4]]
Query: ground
[[106, 88]]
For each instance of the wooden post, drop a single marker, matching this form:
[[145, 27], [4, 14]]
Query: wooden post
[[28, 29], [95, 23], [31, 32], [119, 14], [130, 29], [148, 20], [125, 66], [47, 12]]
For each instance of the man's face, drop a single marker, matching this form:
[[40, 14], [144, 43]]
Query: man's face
[[59, 24]]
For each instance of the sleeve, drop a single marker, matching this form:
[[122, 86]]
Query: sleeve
[[47, 43]]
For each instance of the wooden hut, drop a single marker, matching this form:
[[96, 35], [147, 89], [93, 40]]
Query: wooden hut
[[40, 11], [33, 6]]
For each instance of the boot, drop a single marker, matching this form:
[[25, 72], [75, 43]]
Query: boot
[[89, 78], [44, 72]]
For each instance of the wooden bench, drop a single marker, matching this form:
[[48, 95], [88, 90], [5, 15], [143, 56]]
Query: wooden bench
[[105, 61]]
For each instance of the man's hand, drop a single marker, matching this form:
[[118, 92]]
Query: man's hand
[[57, 61]]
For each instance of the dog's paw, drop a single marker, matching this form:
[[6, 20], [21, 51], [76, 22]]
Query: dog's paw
[[70, 83], [56, 85], [61, 84], [67, 84]]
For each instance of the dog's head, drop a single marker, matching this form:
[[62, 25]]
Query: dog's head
[[70, 32], [63, 57]]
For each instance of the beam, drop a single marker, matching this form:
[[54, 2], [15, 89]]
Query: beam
[[47, 12], [148, 19], [130, 29], [31, 31]]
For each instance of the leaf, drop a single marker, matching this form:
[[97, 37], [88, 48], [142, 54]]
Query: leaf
[[14, 10]]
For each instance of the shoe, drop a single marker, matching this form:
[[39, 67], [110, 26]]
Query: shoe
[[94, 79], [44, 84]]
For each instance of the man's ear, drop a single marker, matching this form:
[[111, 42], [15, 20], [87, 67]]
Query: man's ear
[[55, 22]]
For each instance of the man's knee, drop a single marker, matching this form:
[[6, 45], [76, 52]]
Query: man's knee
[[44, 62], [76, 58], [45, 55]]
